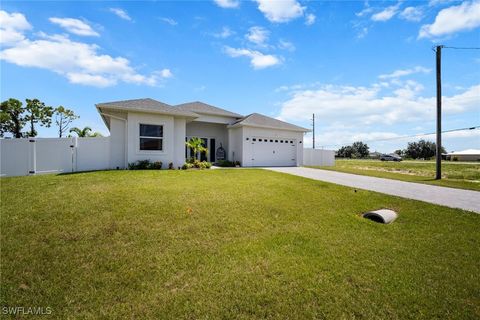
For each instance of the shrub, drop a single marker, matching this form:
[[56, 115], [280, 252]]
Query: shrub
[[237, 163], [170, 166], [455, 159], [145, 165], [197, 164], [157, 165], [226, 163]]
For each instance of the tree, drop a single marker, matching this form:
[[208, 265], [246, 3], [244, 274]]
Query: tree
[[85, 132], [422, 149], [356, 150], [360, 149], [37, 112], [196, 144], [63, 119], [11, 118], [345, 152], [400, 152]]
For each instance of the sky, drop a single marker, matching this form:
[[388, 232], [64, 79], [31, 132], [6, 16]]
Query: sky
[[366, 69]]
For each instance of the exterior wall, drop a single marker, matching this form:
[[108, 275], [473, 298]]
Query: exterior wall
[[214, 119], [235, 140], [264, 132], [134, 153], [179, 142], [209, 130], [464, 157], [317, 157], [118, 145]]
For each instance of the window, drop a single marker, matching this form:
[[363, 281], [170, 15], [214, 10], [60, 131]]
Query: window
[[151, 137], [271, 140], [254, 139], [259, 140], [276, 140], [247, 139]]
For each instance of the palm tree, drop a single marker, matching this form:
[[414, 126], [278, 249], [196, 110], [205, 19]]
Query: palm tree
[[196, 144], [85, 132]]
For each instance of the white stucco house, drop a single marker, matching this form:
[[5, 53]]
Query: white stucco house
[[148, 129]]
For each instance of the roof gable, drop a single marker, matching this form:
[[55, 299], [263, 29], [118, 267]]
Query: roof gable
[[146, 105], [204, 108], [259, 120]]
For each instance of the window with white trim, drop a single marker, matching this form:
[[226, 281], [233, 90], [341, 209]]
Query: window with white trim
[[151, 137]]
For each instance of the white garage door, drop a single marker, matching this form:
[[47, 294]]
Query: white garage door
[[273, 152]]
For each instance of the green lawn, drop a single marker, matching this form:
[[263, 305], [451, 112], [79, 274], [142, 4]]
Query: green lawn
[[463, 175], [230, 244]]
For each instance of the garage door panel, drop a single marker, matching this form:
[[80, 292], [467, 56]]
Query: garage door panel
[[269, 151]]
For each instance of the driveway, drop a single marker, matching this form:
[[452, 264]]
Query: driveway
[[454, 198]]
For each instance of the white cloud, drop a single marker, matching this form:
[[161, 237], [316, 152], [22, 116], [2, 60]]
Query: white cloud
[[465, 16], [170, 21], [120, 13], [404, 72], [227, 3], [310, 19], [375, 105], [165, 73], [286, 45], [414, 14], [225, 33], [12, 27], [80, 63], [74, 26], [386, 14], [258, 60], [257, 35], [280, 11]]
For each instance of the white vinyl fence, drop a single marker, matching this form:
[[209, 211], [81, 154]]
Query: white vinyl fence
[[19, 157], [317, 157]]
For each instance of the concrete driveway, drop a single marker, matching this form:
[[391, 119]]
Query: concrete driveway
[[454, 198]]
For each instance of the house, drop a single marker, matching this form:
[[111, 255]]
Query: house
[[148, 129], [464, 155]]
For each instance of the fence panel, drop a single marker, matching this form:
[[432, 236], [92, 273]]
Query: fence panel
[[54, 155], [317, 157], [15, 157], [93, 154]]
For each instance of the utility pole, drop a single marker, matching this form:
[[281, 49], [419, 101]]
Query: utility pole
[[438, 156], [313, 125]]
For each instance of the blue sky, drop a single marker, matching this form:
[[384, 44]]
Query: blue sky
[[366, 69]]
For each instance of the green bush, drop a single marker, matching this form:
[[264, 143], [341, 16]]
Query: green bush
[[226, 163], [197, 164], [145, 165]]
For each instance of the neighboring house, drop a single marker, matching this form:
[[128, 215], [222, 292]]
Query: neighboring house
[[464, 155], [148, 129]]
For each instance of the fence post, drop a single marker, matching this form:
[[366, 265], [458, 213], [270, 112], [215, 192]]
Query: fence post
[[33, 151]]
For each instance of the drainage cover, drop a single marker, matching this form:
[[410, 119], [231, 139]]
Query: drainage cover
[[381, 216]]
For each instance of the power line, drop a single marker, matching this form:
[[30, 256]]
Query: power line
[[407, 136], [462, 48]]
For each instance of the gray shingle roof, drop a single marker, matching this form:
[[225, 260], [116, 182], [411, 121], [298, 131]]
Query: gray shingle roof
[[146, 105], [200, 107], [259, 120]]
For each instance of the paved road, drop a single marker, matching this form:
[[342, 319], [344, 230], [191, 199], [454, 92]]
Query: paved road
[[454, 198]]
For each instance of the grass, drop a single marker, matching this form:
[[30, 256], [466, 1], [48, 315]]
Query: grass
[[462, 175], [231, 244]]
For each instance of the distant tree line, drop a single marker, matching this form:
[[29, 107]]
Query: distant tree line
[[15, 117], [356, 150], [420, 150], [415, 150]]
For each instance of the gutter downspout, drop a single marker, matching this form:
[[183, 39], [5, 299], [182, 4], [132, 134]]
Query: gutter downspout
[[126, 134]]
